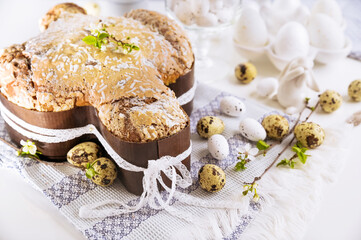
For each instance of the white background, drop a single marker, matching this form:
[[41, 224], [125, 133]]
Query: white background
[[27, 214]]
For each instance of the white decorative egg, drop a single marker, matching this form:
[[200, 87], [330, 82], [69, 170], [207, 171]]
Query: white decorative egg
[[224, 15], [207, 20], [183, 13], [252, 130], [286, 5], [216, 4], [201, 7], [292, 41], [251, 30], [330, 8], [325, 33], [232, 106], [218, 146], [267, 87]]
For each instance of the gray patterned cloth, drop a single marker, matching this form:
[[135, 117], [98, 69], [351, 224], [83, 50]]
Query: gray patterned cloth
[[68, 188]]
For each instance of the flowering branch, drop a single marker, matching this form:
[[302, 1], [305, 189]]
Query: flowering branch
[[298, 149], [101, 38], [28, 149]]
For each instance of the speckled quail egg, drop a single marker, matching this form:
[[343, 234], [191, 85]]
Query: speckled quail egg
[[245, 72], [211, 178], [354, 90], [330, 101], [276, 126], [83, 153], [232, 106], [209, 125], [102, 171], [218, 147], [311, 135], [252, 129]]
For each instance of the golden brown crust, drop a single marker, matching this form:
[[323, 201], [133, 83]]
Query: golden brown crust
[[54, 13], [175, 35], [57, 71]]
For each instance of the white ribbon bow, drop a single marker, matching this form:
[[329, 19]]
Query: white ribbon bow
[[151, 195], [152, 175]]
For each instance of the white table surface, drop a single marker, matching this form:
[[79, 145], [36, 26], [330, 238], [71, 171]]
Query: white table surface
[[26, 214]]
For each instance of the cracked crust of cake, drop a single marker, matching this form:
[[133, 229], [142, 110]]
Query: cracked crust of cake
[[56, 71]]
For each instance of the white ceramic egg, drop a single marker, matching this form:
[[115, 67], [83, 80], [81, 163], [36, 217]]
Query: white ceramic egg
[[232, 106], [218, 146], [207, 20], [224, 15], [230, 3], [291, 41], [330, 8], [251, 30], [267, 87], [183, 13], [252, 130], [216, 4], [199, 7], [325, 33], [285, 5]]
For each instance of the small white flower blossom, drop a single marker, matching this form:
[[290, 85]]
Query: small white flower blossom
[[103, 48], [95, 29], [28, 147], [247, 152]]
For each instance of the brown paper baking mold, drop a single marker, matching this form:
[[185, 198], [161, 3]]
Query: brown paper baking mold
[[135, 153]]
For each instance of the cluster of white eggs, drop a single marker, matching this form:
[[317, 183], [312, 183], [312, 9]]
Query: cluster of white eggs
[[203, 13], [248, 127], [286, 29]]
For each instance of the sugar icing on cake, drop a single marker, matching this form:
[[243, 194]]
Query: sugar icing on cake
[[57, 71]]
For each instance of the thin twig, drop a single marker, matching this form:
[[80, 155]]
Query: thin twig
[[271, 165], [9, 144], [289, 144]]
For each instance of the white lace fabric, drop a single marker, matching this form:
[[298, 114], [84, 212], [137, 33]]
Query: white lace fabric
[[152, 175]]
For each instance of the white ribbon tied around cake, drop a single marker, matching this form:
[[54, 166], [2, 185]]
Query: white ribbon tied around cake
[[152, 175], [187, 96]]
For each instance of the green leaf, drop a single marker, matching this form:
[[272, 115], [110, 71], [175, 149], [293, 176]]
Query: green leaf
[[307, 100], [261, 145], [245, 192], [296, 149], [299, 144], [284, 162], [291, 164], [90, 40], [90, 172], [240, 166], [103, 35], [302, 157], [98, 44]]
